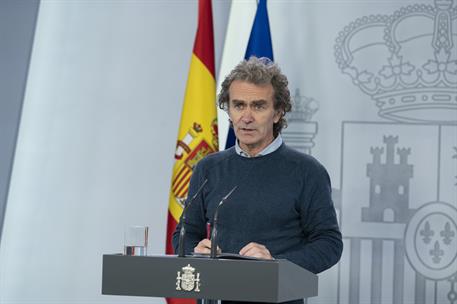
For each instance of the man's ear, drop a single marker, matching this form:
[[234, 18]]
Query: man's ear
[[278, 115]]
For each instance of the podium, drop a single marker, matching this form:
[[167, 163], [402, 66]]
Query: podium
[[203, 278]]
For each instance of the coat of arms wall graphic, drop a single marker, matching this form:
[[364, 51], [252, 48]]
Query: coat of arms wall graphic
[[397, 196]]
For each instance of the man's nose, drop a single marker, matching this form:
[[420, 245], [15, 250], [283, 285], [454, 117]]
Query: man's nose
[[246, 116]]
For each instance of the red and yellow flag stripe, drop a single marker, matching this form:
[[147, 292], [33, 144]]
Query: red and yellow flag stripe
[[197, 135]]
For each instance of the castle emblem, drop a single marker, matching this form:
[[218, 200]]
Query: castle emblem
[[389, 185], [188, 280]]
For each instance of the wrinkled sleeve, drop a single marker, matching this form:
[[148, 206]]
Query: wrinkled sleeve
[[195, 223], [322, 244]]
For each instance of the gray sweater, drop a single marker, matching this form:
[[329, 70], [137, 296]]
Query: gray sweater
[[283, 201]]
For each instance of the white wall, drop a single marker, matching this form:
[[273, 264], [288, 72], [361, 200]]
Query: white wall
[[96, 142]]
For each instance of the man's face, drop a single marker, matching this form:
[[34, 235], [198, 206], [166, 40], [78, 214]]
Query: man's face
[[252, 113]]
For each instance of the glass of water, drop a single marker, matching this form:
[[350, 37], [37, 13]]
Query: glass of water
[[136, 240]]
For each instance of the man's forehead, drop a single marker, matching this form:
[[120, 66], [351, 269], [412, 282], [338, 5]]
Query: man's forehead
[[239, 82], [247, 91]]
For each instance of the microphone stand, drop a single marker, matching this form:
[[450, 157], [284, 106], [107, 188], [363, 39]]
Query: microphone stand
[[213, 254], [182, 230]]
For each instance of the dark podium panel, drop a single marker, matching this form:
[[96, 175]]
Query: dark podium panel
[[203, 278]]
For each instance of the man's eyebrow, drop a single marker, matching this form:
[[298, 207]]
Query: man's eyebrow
[[260, 101], [254, 102]]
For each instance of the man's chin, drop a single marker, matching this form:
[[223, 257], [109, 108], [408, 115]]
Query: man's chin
[[247, 143], [246, 139]]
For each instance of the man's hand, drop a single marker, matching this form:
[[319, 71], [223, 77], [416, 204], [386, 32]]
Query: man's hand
[[205, 247], [257, 251]]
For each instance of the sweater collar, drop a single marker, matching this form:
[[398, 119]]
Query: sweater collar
[[273, 146]]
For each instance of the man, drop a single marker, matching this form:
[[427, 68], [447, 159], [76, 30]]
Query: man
[[282, 207]]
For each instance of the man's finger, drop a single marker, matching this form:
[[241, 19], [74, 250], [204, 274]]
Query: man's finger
[[256, 250], [204, 246], [248, 247]]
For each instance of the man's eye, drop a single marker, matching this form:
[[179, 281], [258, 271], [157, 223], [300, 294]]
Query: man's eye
[[259, 106], [238, 106]]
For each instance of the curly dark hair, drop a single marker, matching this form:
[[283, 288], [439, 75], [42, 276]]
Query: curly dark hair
[[260, 71]]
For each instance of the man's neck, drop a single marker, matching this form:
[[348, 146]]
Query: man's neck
[[252, 151]]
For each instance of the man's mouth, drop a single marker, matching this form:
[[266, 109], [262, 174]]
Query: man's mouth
[[247, 130]]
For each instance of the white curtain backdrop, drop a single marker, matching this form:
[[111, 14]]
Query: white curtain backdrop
[[96, 142]]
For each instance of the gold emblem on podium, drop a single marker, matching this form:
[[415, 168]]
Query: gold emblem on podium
[[188, 280]]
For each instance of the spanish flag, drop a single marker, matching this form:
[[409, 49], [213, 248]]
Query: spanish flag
[[197, 135]]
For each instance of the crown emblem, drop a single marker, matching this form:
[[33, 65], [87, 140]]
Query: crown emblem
[[301, 130], [414, 78], [303, 108]]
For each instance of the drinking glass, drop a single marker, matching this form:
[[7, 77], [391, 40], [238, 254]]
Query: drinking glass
[[136, 240]]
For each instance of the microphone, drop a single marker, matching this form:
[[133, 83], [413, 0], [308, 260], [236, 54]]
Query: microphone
[[214, 228], [182, 231]]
